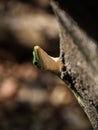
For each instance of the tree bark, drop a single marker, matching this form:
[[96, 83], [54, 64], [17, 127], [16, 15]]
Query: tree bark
[[79, 58]]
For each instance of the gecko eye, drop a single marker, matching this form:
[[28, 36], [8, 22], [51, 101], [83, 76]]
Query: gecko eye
[[36, 63]]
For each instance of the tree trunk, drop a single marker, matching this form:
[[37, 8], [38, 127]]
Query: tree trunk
[[79, 58]]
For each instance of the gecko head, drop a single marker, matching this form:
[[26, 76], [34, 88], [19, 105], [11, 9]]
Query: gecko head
[[45, 62]]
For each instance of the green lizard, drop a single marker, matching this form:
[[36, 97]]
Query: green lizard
[[45, 62], [52, 64]]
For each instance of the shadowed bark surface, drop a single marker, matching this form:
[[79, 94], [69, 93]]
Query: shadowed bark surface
[[78, 54]]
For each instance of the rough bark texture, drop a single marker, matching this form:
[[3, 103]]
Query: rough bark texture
[[78, 54]]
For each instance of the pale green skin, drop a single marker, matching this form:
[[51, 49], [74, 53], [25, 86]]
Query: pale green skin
[[36, 60]]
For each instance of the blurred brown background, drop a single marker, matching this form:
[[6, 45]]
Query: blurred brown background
[[31, 99]]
